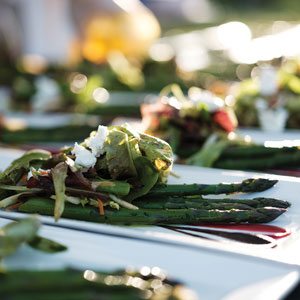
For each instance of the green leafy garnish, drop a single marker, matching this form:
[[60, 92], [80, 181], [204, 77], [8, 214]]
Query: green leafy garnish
[[147, 177], [118, 155], [18, 167], [159, 153]]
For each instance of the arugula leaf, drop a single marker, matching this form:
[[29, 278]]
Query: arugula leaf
[[118, 155], [18, 167], [59, 175], [147, 177]]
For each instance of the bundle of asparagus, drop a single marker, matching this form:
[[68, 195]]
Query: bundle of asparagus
[[148, 283], [118, 176], [240, 155], [68, 133]]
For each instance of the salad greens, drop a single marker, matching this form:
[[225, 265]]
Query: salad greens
[[112, 176], [14, 172], [186, 121]]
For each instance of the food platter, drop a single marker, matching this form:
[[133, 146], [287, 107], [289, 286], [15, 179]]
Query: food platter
[[286, 189]]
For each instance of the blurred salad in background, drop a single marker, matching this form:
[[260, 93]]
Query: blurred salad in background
[[186, 121]]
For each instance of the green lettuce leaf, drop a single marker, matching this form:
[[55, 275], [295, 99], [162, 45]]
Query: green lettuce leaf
[[118, 155], [159, 153], [147, 177], [21, 165]]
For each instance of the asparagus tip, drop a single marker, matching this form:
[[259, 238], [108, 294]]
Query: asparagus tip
[[257, 185], [271, 213]]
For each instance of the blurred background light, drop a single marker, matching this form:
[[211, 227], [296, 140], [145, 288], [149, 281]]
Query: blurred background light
[[267, 47], [198, 11], [233, 34], [92, 48], [33, 63], [100, 95], [78, 83], [192, 59], [161, 52]]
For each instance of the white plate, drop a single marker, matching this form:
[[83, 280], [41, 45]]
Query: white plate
[[287, 189], [7, 155], [47, 120], [289, 137], [211, 275]]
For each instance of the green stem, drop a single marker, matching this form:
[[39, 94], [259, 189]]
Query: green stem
[[247, 151], [270, 162], [188, 202], [58, 134], [246, 186], [154, 216]]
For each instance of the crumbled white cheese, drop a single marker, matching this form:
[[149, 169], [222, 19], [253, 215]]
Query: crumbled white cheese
[[268, 81], [96, 142], [84, 157], [71, 163], [212, 102]]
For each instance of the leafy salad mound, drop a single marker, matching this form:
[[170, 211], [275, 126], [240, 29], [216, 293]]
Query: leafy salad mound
[[186, 121], [113, 166]]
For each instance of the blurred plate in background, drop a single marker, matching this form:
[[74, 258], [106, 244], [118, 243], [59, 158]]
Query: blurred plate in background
[[199, 270]]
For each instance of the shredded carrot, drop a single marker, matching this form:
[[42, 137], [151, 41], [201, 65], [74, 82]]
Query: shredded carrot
[[44, 172], [24, 178], [13, 206], [101, 207]]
